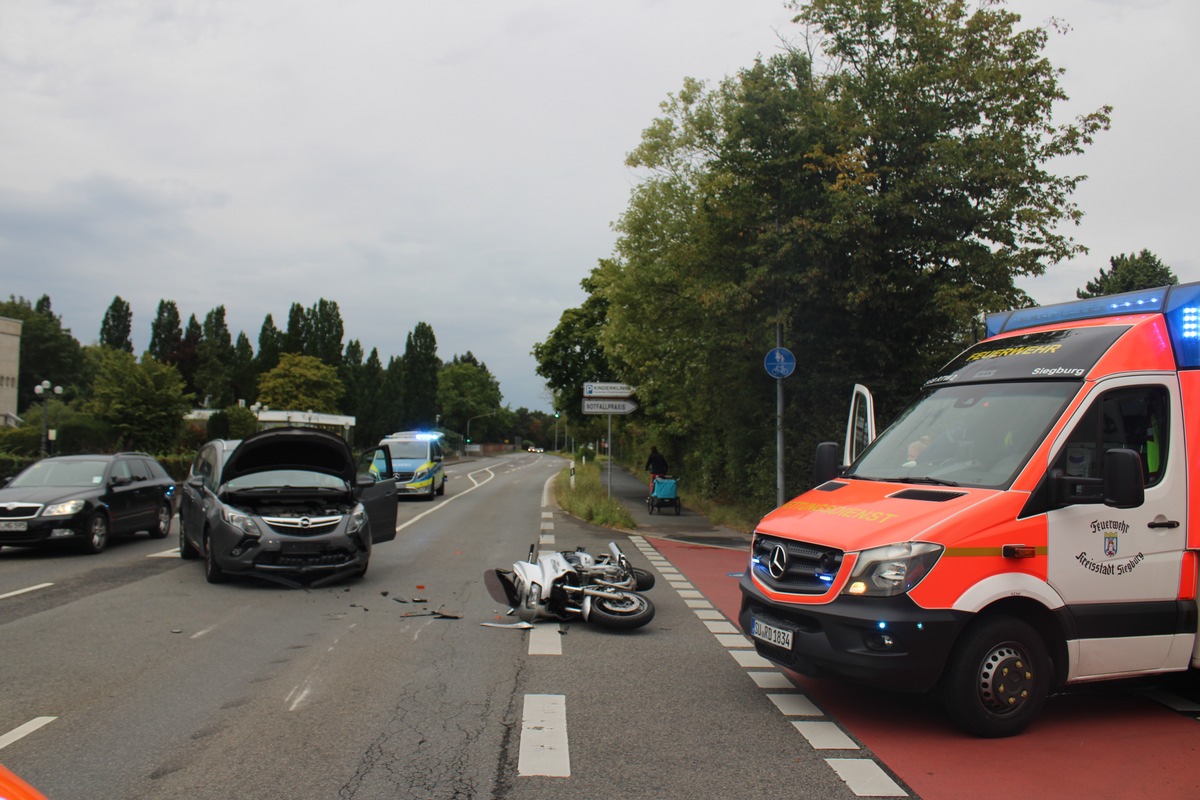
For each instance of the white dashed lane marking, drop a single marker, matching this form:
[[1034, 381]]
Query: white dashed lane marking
[[863, 776]]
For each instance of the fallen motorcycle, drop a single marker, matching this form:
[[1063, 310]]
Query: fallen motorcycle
[[610, 569], [548, 586]]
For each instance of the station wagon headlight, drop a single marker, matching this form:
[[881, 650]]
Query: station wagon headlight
[[242, 522], [63, 509], [893, 569]]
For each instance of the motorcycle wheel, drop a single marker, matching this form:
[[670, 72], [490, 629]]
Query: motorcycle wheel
[[643, 580], [621, 610]]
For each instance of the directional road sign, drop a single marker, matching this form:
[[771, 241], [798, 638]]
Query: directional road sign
[[607, 390], [608, 406]]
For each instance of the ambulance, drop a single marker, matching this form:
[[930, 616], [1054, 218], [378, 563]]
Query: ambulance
[[1023, 526]]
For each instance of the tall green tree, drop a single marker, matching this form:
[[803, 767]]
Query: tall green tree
[[871, 212], [466, 389], [270, 345], [48, 351], [573, 353], [215, 361], [421, 366], [296, 336], [243, 370], [116, 329], [166, 333], [301, 383], [143, 402], [1128, 273], [188, 359], [325, 331]]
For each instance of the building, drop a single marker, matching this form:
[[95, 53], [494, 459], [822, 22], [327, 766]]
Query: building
[[10, 368]]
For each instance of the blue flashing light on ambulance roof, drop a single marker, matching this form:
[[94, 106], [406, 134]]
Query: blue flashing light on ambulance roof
[[1180, 305]]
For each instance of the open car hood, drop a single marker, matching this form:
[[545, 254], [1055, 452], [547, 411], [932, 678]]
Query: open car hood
[[291, 448]]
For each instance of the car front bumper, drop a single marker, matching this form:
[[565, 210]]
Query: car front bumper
[[281, 555]]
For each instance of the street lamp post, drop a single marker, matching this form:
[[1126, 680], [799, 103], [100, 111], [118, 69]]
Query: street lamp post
[[44, 390]]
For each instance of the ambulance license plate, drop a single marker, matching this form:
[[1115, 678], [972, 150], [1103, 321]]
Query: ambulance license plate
[[780, 637]]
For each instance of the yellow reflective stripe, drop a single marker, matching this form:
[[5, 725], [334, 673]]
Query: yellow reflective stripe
[[985, 552]]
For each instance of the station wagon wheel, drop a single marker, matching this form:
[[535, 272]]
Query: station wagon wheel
[[187, 550], [97, 533], [163, 527]]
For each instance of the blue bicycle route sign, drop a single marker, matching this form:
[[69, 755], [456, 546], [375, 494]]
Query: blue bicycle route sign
[[780, 362]]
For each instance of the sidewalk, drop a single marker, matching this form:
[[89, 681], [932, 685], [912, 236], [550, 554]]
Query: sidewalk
[[631, 490]]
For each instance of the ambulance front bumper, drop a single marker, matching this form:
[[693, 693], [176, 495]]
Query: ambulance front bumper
[[887, 641]]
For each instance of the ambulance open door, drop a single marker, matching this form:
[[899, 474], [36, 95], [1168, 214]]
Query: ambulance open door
[[860, 427]]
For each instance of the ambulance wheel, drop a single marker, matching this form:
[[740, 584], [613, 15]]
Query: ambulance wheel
[[997, 678]]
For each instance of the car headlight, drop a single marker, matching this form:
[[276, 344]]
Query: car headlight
[[243, 522], [63, 509], [358, 520], [893, 569]]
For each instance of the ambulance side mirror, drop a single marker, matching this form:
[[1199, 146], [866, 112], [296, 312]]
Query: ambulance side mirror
[[826, 464], [1123, 486]]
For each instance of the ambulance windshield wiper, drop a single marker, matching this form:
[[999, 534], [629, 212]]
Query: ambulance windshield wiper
[[931, 481]]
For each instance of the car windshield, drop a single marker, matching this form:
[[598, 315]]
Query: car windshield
[[970, 435], [409, 450], [61, 473], [287, 479]]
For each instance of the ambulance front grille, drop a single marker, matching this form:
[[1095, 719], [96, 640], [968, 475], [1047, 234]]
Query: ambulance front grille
[[795, 567]]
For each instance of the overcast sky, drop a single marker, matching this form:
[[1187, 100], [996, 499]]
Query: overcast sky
[[456, 163]]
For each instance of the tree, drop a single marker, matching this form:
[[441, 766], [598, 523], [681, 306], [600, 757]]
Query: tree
[[188, 357], [325, 331], [166, 333], [142, 402], [270, 345], [48, 351], [871, 213], [1129, 273], [215, 361], [466, 389], [573, 352], [117, 325], [421, 366], [243, 372], [295, 337], [300, 383]]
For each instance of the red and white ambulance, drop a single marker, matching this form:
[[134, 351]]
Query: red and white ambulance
[[1024, 525]]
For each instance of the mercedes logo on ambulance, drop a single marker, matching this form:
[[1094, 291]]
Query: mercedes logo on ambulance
[[778, 563]]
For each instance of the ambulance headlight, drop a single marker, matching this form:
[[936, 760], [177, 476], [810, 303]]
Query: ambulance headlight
[[893, 569]]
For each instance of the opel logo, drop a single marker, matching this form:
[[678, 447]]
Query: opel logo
[[305, 522], [778, 563]]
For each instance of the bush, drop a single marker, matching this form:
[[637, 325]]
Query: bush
[[589, 500]]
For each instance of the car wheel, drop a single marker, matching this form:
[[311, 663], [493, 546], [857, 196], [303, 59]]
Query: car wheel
[[212, 570], [442, 488], [97, 534], [432, 490], [187, 551], [163, 527]]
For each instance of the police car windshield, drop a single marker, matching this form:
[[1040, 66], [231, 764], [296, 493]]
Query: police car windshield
[[966, 435], [413, 449]]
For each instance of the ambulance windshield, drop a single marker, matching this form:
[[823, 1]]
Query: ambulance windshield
[[976, 435]]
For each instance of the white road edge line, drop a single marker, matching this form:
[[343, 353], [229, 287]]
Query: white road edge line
[[20, 733], [23, 591], [544, 748]]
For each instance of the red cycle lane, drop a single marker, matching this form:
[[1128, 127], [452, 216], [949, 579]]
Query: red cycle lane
[[1102, 744]]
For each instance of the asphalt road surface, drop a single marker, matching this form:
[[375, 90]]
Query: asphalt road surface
[[126, 675]]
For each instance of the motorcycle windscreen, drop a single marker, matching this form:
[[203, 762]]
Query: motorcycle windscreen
[[500, 586]]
